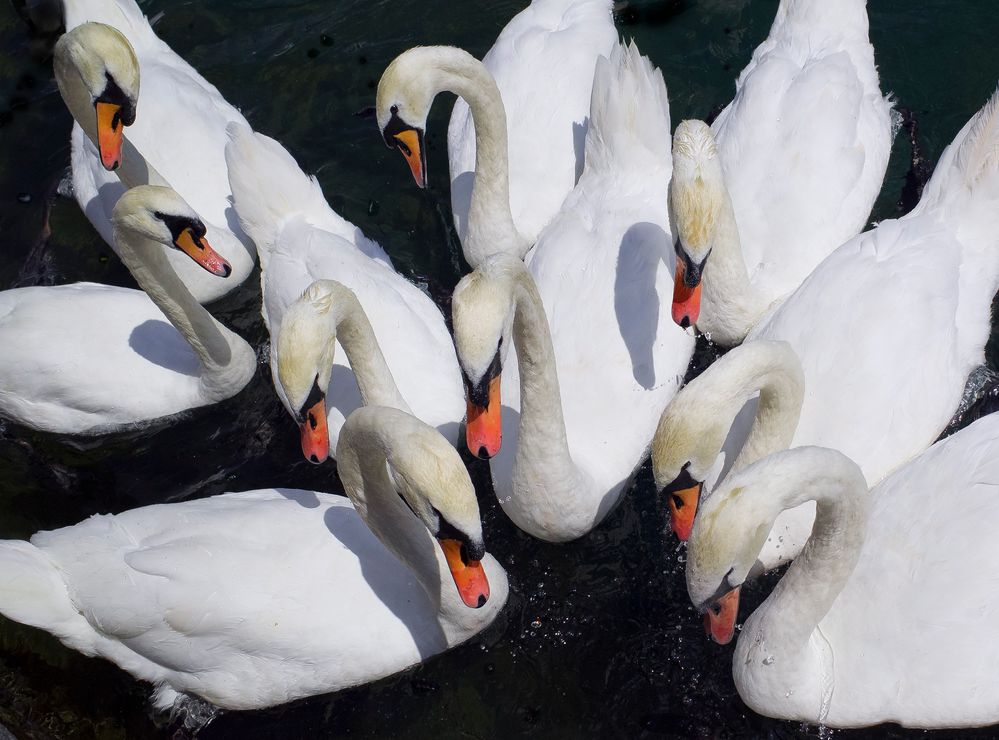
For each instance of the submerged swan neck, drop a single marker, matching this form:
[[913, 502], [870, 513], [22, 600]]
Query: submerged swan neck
[[350, 324], [214, 344], [490, 222]]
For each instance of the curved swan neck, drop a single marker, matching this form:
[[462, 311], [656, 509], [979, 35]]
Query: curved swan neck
[[363, 456], [351, 326], [773, 369], [542, 447], [730, 305], [806, 592], [490, 222], [216, 346], [694, 427]]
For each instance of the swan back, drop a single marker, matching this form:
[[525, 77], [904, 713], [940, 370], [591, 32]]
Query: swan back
[[805, 142]]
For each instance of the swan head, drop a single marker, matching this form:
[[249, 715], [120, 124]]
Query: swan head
[[429, 476], [687, 442], [100, 58], [695, 199], [482, 310], [305, 343], [161, 215], [406, 91], [723, 549]]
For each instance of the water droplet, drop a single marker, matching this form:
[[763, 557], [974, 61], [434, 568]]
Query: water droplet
[[24, 197], [769, 660]]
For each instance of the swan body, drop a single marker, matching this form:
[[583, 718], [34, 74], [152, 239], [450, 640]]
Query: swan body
[[542, 63], [871, 615], [88, 358], [886, 330], [256, 598], [595, 355], [177, 138], [799, 157], [300, 239]]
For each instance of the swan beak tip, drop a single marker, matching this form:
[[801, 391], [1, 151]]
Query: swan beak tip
[[110, 130], [682, 508], [719, 619], [315, 434], [469, 575], [484, 425], [686, 300], [199, 250]]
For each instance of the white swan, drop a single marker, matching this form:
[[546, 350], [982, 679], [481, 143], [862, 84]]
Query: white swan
[[301, 239], [888, 614], [87, 358], [542, 64], [257, 598], [790, 172], [176, 129], [596, 351], [887, 330]]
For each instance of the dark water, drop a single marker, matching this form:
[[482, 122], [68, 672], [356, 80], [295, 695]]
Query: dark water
[[598, 638]]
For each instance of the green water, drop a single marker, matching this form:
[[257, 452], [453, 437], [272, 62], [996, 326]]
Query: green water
[[598, 639]]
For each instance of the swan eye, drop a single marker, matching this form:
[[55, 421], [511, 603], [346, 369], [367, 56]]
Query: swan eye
[[113, 94], [394, 110]]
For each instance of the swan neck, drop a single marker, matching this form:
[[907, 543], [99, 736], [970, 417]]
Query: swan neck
[[213, 343], [730, 304], [490, 222], [805, 594], [374, 378], [542, 447], [777, 375], [363, 456]]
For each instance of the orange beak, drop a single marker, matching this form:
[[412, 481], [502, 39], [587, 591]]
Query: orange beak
[[409, 145], [682, 507], [686, 301], [483, 426], [469, 577], [315, 434], [198, 249], [719, 620], [109, 134]]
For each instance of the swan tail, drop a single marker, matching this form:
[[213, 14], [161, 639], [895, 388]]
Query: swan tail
[[268, 187], [629, 112], [32, 590], [964, 187]]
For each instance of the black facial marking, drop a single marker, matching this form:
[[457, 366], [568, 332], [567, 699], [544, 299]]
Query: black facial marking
[[478, 393], [470, 551], [726, 585], [114, 94], [684, 480], [178, 224], [692, 270], [316, 395]]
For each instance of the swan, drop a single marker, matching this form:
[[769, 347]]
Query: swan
[[257, 598], [869, 356], [887, 614], [301, 239], [787, 172], [531, 97], [89, 359], [596, 355], [176, 130], [542, 65]]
